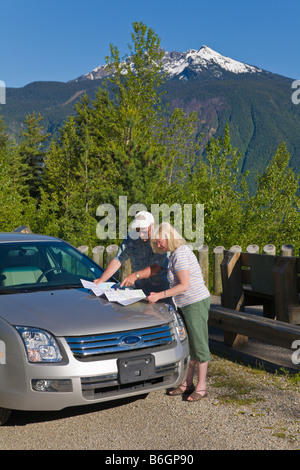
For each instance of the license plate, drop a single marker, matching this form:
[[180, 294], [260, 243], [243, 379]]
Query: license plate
[[136, 369]]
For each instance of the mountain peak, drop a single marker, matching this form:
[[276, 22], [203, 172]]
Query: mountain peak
[[201, 63], [204, 61]]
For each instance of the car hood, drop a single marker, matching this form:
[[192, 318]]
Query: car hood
[[71, 312]]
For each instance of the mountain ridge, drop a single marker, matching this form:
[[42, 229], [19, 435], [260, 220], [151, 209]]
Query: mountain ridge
[[255, 103], [188, 65]]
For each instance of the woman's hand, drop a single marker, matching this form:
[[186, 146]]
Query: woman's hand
[[154, 297]]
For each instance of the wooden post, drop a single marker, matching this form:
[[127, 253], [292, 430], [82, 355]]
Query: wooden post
[[287, 250], [269, 249], [84, 249], [203, 259], [236, 249], [233, 294], [125, 269], [111, 251], [98, 255], [23, 229], [218, 254], [252, 249], [286, 290]]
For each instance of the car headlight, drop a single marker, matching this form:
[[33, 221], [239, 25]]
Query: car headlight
[[40, 345], [179, 323]]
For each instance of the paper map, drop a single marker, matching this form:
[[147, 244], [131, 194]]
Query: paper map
[[97, 289], [122, 296]]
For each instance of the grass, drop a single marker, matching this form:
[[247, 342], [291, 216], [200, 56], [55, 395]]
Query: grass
[[242, 385], [233, 386]]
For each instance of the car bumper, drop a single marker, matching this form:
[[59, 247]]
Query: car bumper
[[26, 386]]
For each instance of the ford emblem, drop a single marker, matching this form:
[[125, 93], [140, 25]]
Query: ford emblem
[[131, 340]]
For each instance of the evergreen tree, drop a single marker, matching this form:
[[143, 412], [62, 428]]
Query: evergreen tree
[[142, 174], [3, 135], [182, 147], [271, 215], [31, 150], [58, 212], [80, 171], [154, 148], [137, 79], [14, 209], [219, 185]]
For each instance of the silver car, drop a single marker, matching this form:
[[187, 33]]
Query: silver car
[[61, 346]]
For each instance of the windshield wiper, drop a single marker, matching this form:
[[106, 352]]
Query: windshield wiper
[[10, 291], [60, 286], [67, 286], [36, 288]]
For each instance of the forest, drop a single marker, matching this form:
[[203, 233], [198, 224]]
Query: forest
[[125, 142]]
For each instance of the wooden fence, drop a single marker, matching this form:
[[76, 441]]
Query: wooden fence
[[253, 279], [103, 256]]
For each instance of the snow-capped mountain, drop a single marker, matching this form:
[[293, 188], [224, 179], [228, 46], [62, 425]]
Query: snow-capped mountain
[[205, 60], [194, 63]]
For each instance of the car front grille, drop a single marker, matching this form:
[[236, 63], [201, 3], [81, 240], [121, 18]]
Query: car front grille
[[85, 347]]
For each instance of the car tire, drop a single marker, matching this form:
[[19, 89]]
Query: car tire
[[4, 415]]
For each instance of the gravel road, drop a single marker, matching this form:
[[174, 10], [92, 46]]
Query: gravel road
[[245, 409]]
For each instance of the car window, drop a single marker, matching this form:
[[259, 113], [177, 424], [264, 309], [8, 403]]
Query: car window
[[40, 265]]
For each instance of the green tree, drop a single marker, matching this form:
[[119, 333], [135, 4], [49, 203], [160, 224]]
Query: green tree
[[155, 148], [3, 135], [14, 209], [272, 214], [59, 213], [31, 150], [80, 171], [182, 146], [136, 80], [142, 165], [219, 185]]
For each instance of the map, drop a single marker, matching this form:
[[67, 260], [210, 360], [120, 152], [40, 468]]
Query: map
[[122, 296]]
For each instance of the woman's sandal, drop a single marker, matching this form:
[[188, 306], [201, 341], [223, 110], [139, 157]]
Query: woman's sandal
[[179, 391], [196, 396]]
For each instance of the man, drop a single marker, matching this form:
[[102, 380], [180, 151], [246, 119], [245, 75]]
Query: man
[[149, 269]]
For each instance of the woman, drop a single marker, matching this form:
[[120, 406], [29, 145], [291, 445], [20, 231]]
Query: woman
[[192, 298]]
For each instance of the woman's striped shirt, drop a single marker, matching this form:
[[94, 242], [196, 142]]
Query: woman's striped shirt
[[183, 258]]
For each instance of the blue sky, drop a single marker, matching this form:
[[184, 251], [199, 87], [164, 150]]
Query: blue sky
[[59, 40]]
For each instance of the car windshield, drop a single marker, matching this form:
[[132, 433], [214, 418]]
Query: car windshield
[[26, 266]]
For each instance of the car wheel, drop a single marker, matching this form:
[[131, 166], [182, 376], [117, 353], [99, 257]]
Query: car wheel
[[4, 415]]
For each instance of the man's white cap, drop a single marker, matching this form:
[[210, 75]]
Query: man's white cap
[[142, 219]]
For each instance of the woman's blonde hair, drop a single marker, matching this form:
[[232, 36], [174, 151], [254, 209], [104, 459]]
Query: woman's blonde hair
[[166, 230]]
